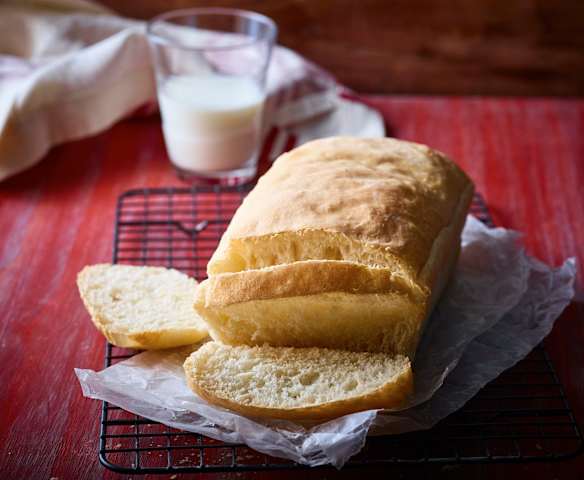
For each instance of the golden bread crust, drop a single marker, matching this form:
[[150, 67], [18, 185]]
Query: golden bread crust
[[309, 277], [395, 195]]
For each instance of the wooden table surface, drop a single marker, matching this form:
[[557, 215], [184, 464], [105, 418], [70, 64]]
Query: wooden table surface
[[526, 156]]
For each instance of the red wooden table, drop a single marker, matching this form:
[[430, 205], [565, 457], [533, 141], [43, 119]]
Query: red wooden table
[[525, 155]]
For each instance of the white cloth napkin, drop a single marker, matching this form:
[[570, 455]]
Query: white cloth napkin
[[70, 69]]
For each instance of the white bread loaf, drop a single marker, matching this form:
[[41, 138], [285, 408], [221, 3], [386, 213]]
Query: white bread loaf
[[141, 307], [301, 384], [344, 243]]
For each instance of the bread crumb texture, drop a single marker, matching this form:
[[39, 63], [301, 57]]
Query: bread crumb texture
[[289, 378], [147, 307]]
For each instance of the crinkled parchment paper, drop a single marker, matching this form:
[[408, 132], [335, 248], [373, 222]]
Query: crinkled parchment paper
[[500, 304]]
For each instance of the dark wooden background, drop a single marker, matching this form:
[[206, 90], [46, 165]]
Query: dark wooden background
[[479, 47]]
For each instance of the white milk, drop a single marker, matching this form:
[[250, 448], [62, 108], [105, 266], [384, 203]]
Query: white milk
[[212, 122]]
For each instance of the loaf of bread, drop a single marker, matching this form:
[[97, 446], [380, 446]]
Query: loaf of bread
[[302, 384], [344, 243], [141, 307]]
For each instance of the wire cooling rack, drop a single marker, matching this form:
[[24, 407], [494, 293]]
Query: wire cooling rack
[[521, 416]]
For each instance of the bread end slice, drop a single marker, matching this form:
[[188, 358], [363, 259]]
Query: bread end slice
[[307, 385], [141, 307]]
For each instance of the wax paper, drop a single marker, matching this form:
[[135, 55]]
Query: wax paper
[[499, 305]]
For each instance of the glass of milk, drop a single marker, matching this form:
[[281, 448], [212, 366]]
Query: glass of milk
[[210, 66]]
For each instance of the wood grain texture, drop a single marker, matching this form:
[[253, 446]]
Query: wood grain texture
[[526, 156], [503, 47]]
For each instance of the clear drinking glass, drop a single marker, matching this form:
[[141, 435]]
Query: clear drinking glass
[[211, 66]]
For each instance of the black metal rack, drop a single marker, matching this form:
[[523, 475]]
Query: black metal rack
[[521, 416]]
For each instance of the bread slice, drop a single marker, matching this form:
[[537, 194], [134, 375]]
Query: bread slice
[[301, 384], [344, 243], [141, 307], [313, 303]]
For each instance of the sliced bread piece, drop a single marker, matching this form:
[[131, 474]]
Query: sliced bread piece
[[301, 384], [141, 307]]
